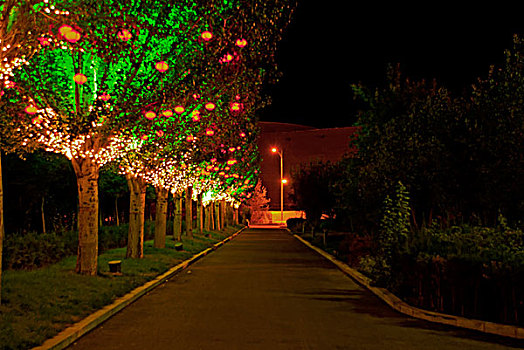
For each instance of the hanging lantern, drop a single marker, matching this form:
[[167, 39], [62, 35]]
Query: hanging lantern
[[210, 132], [31, 109], [150, 115], [196, 115], [79, 78], [242, 134], [159, 133], [167, 113], [143, 137], [207, 35], [190, 138], [104, 97], [161, 66], [231, 161], [232, 149], [179, 110], [72, 36], [64, 29], [124, 35], [37, 119], [210, 106], [241, 42], [227, 58]]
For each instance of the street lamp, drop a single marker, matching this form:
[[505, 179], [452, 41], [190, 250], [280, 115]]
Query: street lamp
[[282, 181]]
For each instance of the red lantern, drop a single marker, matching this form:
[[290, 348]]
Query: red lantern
[[150, 115], [161, 66], [79, 78], [159, 133], [231, 161], [210, 106], [124, 35], [241, 42], [207, 35], [30, 109], [196, 115], [179, 110], [72, 36], [143, 137], [210, 132], [63, 30], [190, 138], [167, 113], [105, 97]]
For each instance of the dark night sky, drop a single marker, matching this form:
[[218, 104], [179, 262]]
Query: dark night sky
[[332, 44]]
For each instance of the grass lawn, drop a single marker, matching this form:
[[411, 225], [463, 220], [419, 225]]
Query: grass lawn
[[38, 304]]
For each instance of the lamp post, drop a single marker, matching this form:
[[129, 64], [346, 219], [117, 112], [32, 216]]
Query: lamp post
[[282, 181]]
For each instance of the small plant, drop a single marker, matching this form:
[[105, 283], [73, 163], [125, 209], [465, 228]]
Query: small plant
[[393, 234]]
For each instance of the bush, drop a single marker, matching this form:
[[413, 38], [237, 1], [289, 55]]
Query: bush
[[295, 224], [33, 250], [353, 248]]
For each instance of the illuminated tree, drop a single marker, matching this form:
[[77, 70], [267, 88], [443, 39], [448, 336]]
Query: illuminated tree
[[104, 69], [19, 20], [90, 80]]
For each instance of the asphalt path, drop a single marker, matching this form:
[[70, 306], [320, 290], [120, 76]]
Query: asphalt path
[[266, 290]]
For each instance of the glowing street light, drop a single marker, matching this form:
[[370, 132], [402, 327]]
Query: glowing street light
[[282, 181]]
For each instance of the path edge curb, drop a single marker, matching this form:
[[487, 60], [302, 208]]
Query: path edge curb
[[69, 335], [401, 306]]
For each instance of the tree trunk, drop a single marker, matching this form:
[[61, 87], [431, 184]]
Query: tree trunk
[[87, 171], [212, 215], [1, 224], [222, 209], [116, 212], [189, 212], [177, 218], [160, 217], [137, 203], [235, 216], [217, 216], [200, 215], [43, 215], [207, 224]]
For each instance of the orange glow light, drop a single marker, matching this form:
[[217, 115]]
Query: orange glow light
[[167, 113], [210, 132], [274, 150], [161, 66], [179, 109], [30, 109], [150, 115], [196, 115], [124, 35], [241, 42], [72, 36], [104, 97], [210, 106], [207, 35], [79, 78], [63, 30]]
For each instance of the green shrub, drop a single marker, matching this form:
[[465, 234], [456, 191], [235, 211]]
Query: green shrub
[[33, 250]]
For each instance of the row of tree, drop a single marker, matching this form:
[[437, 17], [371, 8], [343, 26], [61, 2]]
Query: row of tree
[[164, 92]]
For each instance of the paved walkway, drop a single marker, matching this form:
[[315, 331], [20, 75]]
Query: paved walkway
[[266, 290]]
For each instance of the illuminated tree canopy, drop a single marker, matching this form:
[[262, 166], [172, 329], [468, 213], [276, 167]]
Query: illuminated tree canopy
[[168, 89]]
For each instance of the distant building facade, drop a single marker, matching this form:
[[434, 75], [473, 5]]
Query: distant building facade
[[300, 145]]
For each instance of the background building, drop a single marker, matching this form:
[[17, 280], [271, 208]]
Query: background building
[[301, 145]]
